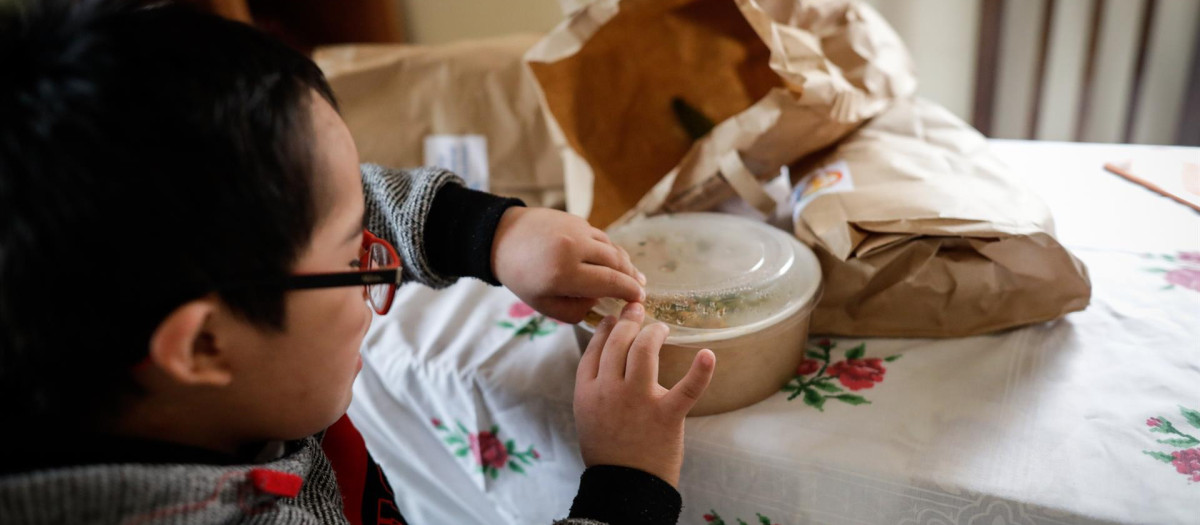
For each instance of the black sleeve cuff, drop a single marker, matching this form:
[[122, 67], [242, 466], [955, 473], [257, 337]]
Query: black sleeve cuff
[[625, 496], [459, 231]]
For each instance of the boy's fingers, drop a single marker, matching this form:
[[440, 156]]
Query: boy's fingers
[[589, 364], [612, 359], [682, 397], [599, 235], [593, 281], [612, 256], [642, 364], [641, 277]]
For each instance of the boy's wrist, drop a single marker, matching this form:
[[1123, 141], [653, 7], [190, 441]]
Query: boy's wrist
[[460, 230], [612, 494]]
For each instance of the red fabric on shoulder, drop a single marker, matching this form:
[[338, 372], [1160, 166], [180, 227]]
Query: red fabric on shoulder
[[366, 495], [347, 453]]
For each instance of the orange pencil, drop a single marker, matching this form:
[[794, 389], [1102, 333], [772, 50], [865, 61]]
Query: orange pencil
[[1149, 185]]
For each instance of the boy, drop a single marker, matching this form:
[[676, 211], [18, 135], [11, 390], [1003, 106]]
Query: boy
[[184, 270]]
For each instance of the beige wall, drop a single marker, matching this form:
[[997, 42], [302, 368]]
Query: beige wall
[[940, 34], [438, 21], [942, 37]]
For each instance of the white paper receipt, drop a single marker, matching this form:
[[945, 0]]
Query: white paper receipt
[[465, 155], [831, 178]]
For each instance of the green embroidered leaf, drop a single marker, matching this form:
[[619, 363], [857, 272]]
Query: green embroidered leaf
[[506, 324], [515, 467], [1164, 426], [1161, 456], [493, 472], [462, 452], [814, 399], [851, 399], [1183, 442], [455, 440], [1192, 416], [742, 522], [495, 430], [856, 352], [763, 519], [1168, 257], [1168, 287], [891, 358], [814, 355], [827, 386], [789, 388], [508, 445], [523, 458]]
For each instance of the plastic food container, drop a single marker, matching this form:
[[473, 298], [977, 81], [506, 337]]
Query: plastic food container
[[739, 287]]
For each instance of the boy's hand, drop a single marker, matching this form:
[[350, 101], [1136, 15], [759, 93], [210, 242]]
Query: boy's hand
[[559, 264], [624, 417]]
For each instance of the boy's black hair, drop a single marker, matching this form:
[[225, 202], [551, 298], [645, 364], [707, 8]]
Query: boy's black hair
[[148, 157]]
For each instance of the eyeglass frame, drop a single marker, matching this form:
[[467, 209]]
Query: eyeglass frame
[[390, 276]]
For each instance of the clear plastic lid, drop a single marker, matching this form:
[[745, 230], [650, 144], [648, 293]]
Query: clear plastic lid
[[711, 271]]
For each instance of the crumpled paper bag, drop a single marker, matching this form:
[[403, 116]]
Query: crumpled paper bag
[[778, 78], [472, 106], [922, 232]]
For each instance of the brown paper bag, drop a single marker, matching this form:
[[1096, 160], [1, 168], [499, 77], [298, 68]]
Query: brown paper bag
[[780, 78], [922, 232], [473, 102]]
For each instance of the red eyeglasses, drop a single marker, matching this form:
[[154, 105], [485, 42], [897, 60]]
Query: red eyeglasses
[[379, 277]]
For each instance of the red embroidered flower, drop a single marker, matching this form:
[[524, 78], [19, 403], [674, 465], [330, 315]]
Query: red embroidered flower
[[808, 366], [1187, 462], [709, 517], [1185, 277], [1153, 422], [824, 343], [535, 454], [519, 310], [1193, 257], [857, 374], [437, 423], [488, 450]]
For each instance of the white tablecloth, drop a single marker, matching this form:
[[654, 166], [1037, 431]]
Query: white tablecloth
[[465, 398]]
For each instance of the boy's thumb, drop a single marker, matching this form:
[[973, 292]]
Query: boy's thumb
[[683, 396]]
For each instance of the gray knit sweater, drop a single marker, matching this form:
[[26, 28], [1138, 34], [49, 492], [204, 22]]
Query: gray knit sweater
[[175, 493], [443, 231]]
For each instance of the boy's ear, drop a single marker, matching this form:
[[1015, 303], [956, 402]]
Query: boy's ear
[[183, 348]]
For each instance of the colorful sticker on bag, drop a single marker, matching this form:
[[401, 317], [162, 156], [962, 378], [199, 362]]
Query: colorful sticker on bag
[[832, 178]]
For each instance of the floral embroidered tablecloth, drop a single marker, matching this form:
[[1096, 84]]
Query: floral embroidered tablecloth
[[465, 398]]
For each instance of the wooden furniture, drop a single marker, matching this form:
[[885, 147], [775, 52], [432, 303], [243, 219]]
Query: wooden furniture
[[306, 24]]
